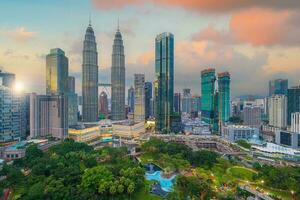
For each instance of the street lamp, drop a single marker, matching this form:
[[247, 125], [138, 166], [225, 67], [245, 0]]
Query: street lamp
[[262, 181]]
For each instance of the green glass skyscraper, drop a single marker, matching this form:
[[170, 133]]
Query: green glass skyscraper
[[164, 72], [224, 96], [209, 98]]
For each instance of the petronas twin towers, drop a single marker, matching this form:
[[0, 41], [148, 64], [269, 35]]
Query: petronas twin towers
[[90, 78]]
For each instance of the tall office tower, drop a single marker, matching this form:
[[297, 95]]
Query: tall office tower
[[72, 102], [12, 115], [118, 79], [278, 111], [7, 79], [295, 122], [57, 71], [90, 77], [48, 116], [252, 116], [148, 97], [130, 99], [71, 84], [278, 86], [139, 97], [186, 101], [177, 102], [224, 96], [164, 72], [293, 102], [103, 104], [208, 98]]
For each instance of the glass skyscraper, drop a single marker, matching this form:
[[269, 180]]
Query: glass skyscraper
[[278, 86], [293, 102], [208, 99], [131, 99], [139, 97], [148, 97], [57, 71], [90, 77], [164, 72], [118, 79], [224, 96]]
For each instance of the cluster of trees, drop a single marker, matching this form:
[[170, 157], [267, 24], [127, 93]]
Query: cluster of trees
[[73, 170], [244, 144], [284, 178], [202, 158]]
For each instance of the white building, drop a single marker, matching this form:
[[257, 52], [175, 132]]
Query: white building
[[278, 111], [295, 123], [252, 115], [233, 133], [287, 138], [128, 129]]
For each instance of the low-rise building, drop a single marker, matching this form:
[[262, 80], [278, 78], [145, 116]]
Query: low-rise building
[[128, 129], [233, 133], [90, 132], [287, 138]]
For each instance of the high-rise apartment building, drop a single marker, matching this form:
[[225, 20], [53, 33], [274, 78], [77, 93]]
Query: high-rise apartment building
[[57, 71], [164, 90], [278, 86], [89, 77], [293, 102], [48, 116], [224, 96], [118, 79], [252, 115], [139, 97], [148, 97], [186, 101], [278, 111]]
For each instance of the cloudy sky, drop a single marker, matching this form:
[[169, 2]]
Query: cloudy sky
[[255, 40]]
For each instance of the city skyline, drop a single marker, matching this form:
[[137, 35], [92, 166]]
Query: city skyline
[[209, 35]]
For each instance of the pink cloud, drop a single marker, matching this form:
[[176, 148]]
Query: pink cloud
[[259, 27], [200, 5], [19, 35]]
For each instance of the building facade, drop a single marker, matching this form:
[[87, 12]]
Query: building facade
[[177, 102], [209, 98], [48, 116], [103, 104], [118, 79], [224, 96], [130, 99], [148, 97], [252, 116], [295, 122], [234, 133], [139, 97], [278, 111], [287, 138], [278, 86], [12, 115], [57, 71], [90, 77], [164, 72], [293, 102]]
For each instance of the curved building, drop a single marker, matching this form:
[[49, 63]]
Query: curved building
[[118, 79], [90, 77]]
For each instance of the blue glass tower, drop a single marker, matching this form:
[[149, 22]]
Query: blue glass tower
[[164, 72]]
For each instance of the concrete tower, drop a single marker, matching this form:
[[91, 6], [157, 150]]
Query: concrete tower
[[90, 77], [118, 79]]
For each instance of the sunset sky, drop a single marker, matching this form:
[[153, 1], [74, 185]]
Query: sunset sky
[[255, 40]]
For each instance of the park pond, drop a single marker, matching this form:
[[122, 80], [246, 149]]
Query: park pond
[[154, 173]]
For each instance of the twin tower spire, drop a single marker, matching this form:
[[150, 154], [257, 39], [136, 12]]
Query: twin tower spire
[[90, 80]]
